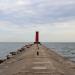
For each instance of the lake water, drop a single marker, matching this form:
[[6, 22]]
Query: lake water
[[64, 49]]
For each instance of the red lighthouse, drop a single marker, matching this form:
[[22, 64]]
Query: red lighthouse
[[37, 38]]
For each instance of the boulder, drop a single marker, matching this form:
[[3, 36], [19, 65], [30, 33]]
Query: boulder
[[9, 56], [19, 50], [22, 48], [13, 53], [1, 61]]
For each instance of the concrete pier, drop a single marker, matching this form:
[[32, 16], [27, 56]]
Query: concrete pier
[[45, 62]]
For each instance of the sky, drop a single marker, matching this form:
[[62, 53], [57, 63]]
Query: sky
[[54, 19]]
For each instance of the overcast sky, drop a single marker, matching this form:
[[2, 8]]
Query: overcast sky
[[54, 19]]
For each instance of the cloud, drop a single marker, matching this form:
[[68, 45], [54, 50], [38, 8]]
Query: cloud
[[48, 32], [37, 11], [21, 18]]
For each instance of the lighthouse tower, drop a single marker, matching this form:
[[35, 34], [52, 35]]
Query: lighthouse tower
[[37, 38]]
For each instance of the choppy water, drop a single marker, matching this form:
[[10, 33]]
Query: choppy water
[[5, 48], [65, 49]]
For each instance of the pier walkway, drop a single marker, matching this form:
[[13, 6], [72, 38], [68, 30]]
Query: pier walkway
[[37, 61]]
